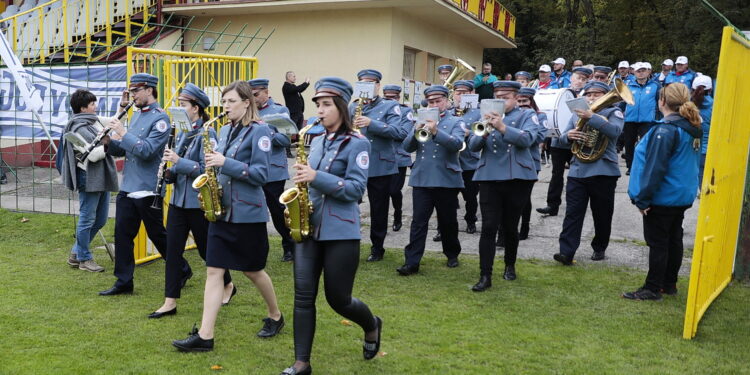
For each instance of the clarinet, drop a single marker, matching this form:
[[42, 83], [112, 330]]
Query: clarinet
[[95, 143], [161, 175]]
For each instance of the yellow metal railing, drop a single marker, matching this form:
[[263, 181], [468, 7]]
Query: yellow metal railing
[[175, 69], [70, 26]]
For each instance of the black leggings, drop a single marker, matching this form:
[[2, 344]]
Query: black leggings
[[339, 259]]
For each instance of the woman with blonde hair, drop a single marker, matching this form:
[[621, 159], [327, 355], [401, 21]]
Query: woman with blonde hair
[[663, 182]]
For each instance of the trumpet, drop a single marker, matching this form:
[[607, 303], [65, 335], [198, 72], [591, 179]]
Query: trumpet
[[481, 128], [423, 135]]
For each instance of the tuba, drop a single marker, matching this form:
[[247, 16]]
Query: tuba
[[592, 148], [297, 201], [462, 69], [209, 190]]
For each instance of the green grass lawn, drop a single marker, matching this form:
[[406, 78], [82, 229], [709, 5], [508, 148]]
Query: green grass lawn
[[552, 320]]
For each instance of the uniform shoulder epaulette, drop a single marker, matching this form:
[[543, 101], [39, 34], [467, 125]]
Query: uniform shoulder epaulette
[[159, 109], [278, 104], [357, 135]]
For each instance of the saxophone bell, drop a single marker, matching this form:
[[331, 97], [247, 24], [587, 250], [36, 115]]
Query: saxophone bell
[[209, 190]]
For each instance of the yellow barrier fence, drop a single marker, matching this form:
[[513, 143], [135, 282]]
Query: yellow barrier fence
[[175, 69], [723, 182]]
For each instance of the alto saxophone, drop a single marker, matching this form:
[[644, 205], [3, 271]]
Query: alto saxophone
[[296, 199], [209, 190]]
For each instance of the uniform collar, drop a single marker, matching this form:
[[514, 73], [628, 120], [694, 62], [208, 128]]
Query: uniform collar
[[268, 103]]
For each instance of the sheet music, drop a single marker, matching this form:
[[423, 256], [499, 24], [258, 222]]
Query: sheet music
[[469, 101], [180, 119], [364, 89]]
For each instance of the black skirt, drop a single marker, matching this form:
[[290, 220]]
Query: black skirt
[[237, 246]]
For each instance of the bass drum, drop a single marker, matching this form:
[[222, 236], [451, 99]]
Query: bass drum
[[552, 103]]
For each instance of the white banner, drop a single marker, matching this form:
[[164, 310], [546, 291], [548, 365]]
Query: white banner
[[54, 85]]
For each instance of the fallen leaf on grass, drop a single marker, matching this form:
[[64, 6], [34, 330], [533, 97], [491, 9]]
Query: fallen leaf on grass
[[382, 354], [217, 367], [346, 322], [23, 219]]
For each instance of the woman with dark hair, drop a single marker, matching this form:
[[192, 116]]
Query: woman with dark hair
[[238, 239], [663, 182], [184, 215], [336, 174], [703, 98]]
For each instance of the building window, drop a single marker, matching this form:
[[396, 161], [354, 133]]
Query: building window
[[432, 76], [410, 62]]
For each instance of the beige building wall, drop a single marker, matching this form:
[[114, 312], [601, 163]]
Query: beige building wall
[[340, 43]]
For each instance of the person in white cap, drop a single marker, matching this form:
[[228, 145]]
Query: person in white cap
[[702, 96], [682, 73], [560, 76], [545, 80], [640, 115], [666, 68], [623, 70]]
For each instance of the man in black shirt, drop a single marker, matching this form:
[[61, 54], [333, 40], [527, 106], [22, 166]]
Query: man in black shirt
[[293, 98]]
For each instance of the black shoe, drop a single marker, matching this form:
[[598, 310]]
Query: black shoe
[[234, 291], [452, 263], [407, 270], [437, 237], [549, 211], [670, 290], [471, 228], [485, 282], [3, 180], [627, 173], [597, 255], [397, 221], [115, 290], [563, 259], [287, 257], [271, 327], [642, 294], [375, 257], [157, 314], [293, 371], [194, 343], [524, 232], [510, 273], [186, 278], [370, 349]]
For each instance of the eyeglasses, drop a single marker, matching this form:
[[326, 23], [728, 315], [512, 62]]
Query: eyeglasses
[[600, 76], [135, 90]]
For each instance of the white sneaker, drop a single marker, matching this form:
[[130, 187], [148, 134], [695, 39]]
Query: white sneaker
[[90, 266]]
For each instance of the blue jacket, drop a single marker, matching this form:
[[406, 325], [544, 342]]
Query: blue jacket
[[244, 173], [508, 156], [665, 165], [645, 98], [279, 170], [436, 163], [189, 145], [142, 146], [403, 158], [609, 121], [560, 82], [340, 182], [469, 159], [686, 78], [706, 109], [384, 128]]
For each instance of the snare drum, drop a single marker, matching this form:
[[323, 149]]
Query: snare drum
[[552, 102]]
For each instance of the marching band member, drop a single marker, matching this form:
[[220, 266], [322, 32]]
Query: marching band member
[[337, 176], [403, 158], [640, 115], [238, 239], [601, 74], [184, 215], [579, 78], [444, 71], [524, 78], [381, 124], [592, 181], [662, 186], [468, 159], [506, 173], [435, 181], [560, 76], [525, 100], [141, 144], [278, 172], [94, 179]]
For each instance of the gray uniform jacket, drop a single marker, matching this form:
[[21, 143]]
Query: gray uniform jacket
[[403, 158], [142, 146], [609, 122], [279, 170], [340, 182], [436, 163], [535, 152], [189, 146], [384, 128], [508, 156], [244, 172], [469, 159]]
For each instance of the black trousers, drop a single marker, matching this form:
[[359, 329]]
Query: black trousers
[[662, 229], [130, 213], [470, 192], [630, 134], [272, 191], [554, 193], [181, 221], [600, 191], [397, 184], [424, 200], [501, 203], [338, 261], [298, 118], [378, 192]]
